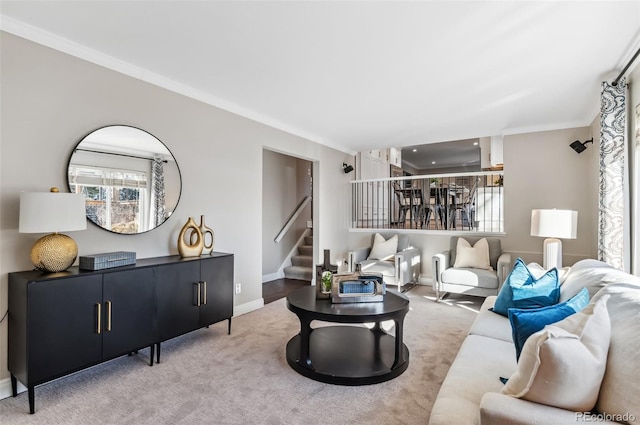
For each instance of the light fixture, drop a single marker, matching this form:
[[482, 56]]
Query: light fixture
[[44, 212], [553, 225], [347, 168], [580, 147]]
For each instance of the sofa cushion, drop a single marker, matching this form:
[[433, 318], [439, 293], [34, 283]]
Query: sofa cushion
[[383, 249], [490, 324], [593, 275], [474, 372], [563, 364], [386, 268], [522, 289], [476, 256], [470, 277], [526, 322], [620, 389]]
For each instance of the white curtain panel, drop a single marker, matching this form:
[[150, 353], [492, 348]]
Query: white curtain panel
[[613, 134]]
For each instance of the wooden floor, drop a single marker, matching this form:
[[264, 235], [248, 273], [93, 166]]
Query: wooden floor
[[276, 289]]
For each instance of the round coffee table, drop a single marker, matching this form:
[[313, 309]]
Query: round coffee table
[[347, 355]]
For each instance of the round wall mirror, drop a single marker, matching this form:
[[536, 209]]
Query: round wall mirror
[[130, 179]]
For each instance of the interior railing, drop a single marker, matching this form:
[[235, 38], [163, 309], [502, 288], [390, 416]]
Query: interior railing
[[292, 218], [461, 202]]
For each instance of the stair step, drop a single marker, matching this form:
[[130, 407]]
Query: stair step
[[297, 272], [302, 260], [308, 240], [305, 250]]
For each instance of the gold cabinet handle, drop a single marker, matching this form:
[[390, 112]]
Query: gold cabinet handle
[[204, 293], [108, 316], [197, 293], [99, 326]]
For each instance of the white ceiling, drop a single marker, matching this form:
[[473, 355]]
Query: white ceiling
[[358, 75]]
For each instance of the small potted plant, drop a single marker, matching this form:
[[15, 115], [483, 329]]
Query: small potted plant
[[327, 280]]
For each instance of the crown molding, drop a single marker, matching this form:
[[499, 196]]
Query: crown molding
[[53, 41]]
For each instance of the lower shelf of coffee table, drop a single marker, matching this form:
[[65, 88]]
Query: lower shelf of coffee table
[[348, 355]]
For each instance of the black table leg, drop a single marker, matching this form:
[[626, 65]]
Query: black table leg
[[399, 346], [305, 334]]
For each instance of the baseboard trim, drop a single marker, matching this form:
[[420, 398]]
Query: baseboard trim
[[245, 308], [425, 281], [273, 276], [5, 388]]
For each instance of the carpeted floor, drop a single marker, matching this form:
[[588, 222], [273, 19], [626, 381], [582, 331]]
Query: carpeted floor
[[209, 377]]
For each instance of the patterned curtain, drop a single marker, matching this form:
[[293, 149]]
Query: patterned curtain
[[157, 192], [611, 214]]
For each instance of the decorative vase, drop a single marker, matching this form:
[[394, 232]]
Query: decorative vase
[[208, 247], [192, 248]]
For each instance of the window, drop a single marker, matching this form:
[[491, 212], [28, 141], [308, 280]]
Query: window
[[116, 199]]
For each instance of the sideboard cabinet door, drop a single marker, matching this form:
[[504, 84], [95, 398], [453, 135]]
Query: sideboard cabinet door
[[217, 273], [129, 304], [178, 311], [63, 326]]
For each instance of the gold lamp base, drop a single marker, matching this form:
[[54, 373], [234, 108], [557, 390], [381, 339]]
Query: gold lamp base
[[54, 253]]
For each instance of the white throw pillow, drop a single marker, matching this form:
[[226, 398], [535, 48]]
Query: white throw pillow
[[383, 250], [563, 364], [476, 257]]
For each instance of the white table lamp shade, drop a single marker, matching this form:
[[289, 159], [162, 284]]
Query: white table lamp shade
[[554, 225], [45, 212], [562, 224]]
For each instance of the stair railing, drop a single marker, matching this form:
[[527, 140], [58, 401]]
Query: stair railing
[[292, 219]]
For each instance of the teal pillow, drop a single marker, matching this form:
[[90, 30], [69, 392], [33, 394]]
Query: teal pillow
[[525, 322], [522, 290]]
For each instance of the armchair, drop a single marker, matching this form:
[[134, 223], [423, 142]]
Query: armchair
[[398, 265], [466, 280]]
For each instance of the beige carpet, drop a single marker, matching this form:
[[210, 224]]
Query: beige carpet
[[208, 377]]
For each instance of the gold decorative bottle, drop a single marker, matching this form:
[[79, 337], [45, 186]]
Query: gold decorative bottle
[[208, 247], [187, 246]]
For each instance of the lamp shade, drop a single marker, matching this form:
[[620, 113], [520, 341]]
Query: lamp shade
[[45, 212], [562, 224]]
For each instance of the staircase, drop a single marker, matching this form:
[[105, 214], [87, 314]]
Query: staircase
[[301, 267]]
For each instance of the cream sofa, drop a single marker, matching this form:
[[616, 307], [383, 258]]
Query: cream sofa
[[471, 391]]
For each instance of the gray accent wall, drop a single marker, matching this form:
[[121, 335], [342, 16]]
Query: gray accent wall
[[284, 184], [49, 100]]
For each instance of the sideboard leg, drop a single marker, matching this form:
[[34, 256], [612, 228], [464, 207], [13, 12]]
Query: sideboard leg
[[151, 349], [229, 331], [158, 353], [14, 385], [32, 401]]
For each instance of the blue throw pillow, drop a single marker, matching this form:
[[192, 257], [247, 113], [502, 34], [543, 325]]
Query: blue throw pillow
[[526, 322], [522, 290]]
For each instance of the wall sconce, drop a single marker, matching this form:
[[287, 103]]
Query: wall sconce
[[347, 168], [44, 212], [554, 224], [580, 147]]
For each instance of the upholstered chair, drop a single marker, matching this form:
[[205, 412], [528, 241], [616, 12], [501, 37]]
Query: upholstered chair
[[398, 263], [462, 279]]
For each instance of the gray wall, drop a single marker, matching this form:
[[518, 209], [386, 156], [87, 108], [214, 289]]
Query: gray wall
[[284, 184], [50, 100], [540, 171]]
